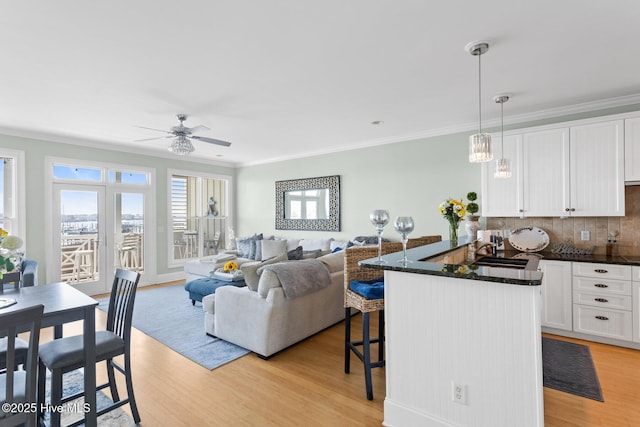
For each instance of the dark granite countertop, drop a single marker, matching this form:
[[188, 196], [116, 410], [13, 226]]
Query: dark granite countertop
[[490, 274], [417, 265]]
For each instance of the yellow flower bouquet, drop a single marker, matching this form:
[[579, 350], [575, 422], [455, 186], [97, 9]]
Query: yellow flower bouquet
[[230, 267], [453, 211]]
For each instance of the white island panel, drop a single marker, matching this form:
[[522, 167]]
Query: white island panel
[[483, 336]]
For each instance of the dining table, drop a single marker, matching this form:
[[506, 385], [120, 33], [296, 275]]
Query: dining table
[[63, 304]]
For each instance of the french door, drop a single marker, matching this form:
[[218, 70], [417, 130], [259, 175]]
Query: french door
[[79, 225]]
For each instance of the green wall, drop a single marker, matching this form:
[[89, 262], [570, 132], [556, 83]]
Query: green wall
[[406, 178], [35, 153]]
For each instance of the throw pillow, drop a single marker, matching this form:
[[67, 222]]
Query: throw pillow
[[244, 246], [253, 245], [250, 270], [295, 254], [271, 248], [268, 280]]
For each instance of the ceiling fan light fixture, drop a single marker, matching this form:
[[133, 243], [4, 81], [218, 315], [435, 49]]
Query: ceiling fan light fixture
[[479, 143], [181, 146]]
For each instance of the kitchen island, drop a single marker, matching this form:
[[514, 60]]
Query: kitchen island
[[463, 342]]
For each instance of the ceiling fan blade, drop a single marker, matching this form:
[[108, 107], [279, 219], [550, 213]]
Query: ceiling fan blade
[[199, 128], [211, 140], [159, 130], [151, 139]]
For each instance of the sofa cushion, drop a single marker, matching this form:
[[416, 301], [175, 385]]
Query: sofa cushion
[[295, 254], [315, 244], [333, 261], [250, 270], [271, 248], [311, 254]]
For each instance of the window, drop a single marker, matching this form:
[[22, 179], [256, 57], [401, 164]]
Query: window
[[11, 185], [199, 208]]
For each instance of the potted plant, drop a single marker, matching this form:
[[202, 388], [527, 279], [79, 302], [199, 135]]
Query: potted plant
[[472, 225]]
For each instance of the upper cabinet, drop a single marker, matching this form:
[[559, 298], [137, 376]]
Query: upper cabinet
[[570, 171], [597, 169], [546, 173], [503, 196], [632, 150]]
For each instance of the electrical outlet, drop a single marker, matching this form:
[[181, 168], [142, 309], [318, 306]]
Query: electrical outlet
[[585, 235], [459, 393]]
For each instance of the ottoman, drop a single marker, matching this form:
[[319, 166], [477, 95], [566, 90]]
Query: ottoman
[[207, 285]]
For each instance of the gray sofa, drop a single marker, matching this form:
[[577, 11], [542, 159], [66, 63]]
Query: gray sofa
[[264, 320]]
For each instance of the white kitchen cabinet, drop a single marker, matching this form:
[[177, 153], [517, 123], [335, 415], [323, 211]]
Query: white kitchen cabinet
[[503, 196], [546, 172], [568, 171], [632, 149], [557, 306], [635, 295], [602, 300], [597, 169]]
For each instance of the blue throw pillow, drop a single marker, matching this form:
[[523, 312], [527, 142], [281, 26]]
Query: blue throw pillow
[[370, 289]]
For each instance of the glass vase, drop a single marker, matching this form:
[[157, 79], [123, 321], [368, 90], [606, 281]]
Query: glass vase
[[453, 231]]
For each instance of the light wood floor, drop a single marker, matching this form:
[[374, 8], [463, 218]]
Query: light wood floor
[[306, 385]]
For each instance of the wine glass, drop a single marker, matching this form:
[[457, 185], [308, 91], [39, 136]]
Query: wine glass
[[379, 218], [404, 226]]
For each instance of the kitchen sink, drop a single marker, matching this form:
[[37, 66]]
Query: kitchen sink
[[501, 262]]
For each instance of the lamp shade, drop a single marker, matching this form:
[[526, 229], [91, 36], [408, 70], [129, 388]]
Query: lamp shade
[[503, 168], [480, 148], [181, 146]]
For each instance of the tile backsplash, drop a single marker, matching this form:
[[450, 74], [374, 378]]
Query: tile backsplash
[[568, 230]]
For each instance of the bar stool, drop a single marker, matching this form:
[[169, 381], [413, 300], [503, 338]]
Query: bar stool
[[365, 293]]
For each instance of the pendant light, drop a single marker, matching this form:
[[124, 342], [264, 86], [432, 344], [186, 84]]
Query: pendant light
[[503, 166], [480, 143]]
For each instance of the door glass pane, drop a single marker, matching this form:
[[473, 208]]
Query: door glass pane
[[79, 236], [129, 231]]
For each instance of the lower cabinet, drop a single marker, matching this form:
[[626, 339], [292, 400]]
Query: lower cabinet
[[635, 294], [602, 301], [556, 294]]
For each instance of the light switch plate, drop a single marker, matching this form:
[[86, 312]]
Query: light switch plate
[[585, 235]]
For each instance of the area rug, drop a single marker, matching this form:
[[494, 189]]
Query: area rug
[[167, 315], [568, 367], [72, 383]]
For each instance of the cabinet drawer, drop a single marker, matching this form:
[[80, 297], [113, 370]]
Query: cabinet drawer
[[601, 286], [608, 271], [610, 323], [620, 302]]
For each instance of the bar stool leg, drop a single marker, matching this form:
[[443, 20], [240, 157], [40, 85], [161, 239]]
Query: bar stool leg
[[366, 352], [347, 339], [381, 335]]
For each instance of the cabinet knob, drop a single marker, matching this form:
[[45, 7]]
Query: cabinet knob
[[567, 209], [600, 270], [573, 209], [602, 318], [601, 299], [601, 285]]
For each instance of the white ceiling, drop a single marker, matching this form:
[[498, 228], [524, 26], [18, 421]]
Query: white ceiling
[[287, 78]]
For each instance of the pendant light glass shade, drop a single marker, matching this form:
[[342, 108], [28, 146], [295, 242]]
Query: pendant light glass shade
[[503, 166], [480, 148], [480, 143]]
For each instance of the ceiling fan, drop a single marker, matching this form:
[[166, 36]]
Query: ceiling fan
[[182, 134]]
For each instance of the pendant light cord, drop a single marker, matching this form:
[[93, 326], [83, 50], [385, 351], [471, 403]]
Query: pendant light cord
[[502, 128], [479, 93]]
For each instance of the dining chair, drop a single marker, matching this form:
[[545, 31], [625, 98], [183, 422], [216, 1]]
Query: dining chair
[[19, 386], [67, 354]]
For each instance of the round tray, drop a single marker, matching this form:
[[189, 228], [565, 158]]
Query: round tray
[[529, 239]]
